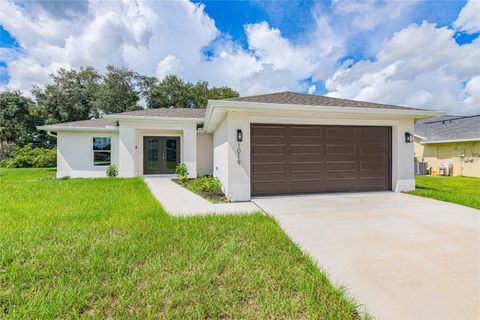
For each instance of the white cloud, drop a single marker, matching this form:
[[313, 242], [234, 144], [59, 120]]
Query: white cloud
[[369, 14], [160, 38], [169, 65], [469, 18], [312, 89], [418, 66], [421, 66], [472, 90]]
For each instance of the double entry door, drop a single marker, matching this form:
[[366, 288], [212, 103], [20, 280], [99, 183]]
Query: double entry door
[[161, 155]]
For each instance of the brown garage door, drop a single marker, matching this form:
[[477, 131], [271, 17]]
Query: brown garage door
[[305, 158]]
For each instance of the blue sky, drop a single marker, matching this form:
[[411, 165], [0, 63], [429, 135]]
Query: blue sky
[[257, 46]]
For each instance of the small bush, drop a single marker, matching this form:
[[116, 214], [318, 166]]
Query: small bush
[[112, 171], [210, 184], [8, 151], [182, 172], [30, 157]]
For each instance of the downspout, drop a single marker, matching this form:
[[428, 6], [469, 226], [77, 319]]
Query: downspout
[[51, 134]]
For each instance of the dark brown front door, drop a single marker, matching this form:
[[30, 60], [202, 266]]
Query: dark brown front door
[[160, 154], [287, 159]]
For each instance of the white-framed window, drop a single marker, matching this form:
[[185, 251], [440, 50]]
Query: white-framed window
[[102, 151]]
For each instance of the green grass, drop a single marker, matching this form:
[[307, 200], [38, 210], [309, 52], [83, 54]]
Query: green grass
[[105, 248], [461, 190]]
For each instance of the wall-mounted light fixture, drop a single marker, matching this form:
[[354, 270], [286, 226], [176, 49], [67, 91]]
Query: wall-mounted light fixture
[[239, 139], [239, 135], [408, 137]]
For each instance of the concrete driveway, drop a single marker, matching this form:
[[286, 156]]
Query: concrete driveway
[[402, 256]]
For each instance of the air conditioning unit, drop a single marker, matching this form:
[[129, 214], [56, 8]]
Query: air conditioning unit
[[445, 168]]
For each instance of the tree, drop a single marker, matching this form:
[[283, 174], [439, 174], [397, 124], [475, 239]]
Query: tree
[[220, 93], [119, 91], [16, 123], [71, 96], [19, 118], [174, 92]]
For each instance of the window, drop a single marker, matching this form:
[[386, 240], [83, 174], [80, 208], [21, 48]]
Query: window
[[102, 151]]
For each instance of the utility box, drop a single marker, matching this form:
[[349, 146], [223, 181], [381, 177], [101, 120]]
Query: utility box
[[420, 168]]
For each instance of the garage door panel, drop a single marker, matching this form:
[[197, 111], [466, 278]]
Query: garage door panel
[[266, 188], [269, 167], [375, 166], [289, 159], [306, 167], [305, 150], [307, 131], [270, 150], [341, 149], [268, 140], [341, 166], [369, 133], [269, 131], [270, 177], [373, 150], [340, 133]]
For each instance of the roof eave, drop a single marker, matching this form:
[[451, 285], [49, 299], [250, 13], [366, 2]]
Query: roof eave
[[450, 141], [77, 129], [153, 118], [257, 106]]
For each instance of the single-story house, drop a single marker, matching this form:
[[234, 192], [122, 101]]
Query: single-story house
[[450, 139], [280, 143]]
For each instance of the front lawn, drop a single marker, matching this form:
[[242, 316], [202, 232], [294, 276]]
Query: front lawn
[[105, 248], [461, 190]]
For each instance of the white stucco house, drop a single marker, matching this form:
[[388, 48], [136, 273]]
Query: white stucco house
[[280, 143]]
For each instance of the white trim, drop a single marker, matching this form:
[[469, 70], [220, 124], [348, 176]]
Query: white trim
[[450, 141], [225, 106], [419, 137], [320, 121], [153, 118], [78, 129]]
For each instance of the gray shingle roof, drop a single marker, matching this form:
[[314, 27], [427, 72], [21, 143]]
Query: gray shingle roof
[[288, 97], [187, 113], [449, 128]]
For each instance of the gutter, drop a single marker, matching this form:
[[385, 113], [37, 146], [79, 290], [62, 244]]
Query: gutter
[[153, 118], [450, 141], [77, 129]]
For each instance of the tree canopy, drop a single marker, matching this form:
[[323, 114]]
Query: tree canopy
[[173, 92], [85, 93], [19, 117]]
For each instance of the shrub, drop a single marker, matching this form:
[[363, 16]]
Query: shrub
[[8, 151], [210, 184], [112, 171], [30, 157], [182, 172]]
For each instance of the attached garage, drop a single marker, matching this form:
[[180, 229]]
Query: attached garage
[[288, 159]]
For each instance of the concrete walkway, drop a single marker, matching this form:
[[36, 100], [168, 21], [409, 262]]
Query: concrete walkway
[[178, 201], [402, 256]]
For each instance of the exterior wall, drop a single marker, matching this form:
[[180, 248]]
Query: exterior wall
[[236, 176], [220, 154], [75, 154], [131, 133], [465, 156], [204, 153]]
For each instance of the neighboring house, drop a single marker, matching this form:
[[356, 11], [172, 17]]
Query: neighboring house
[[278, 143], [449, 138]]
